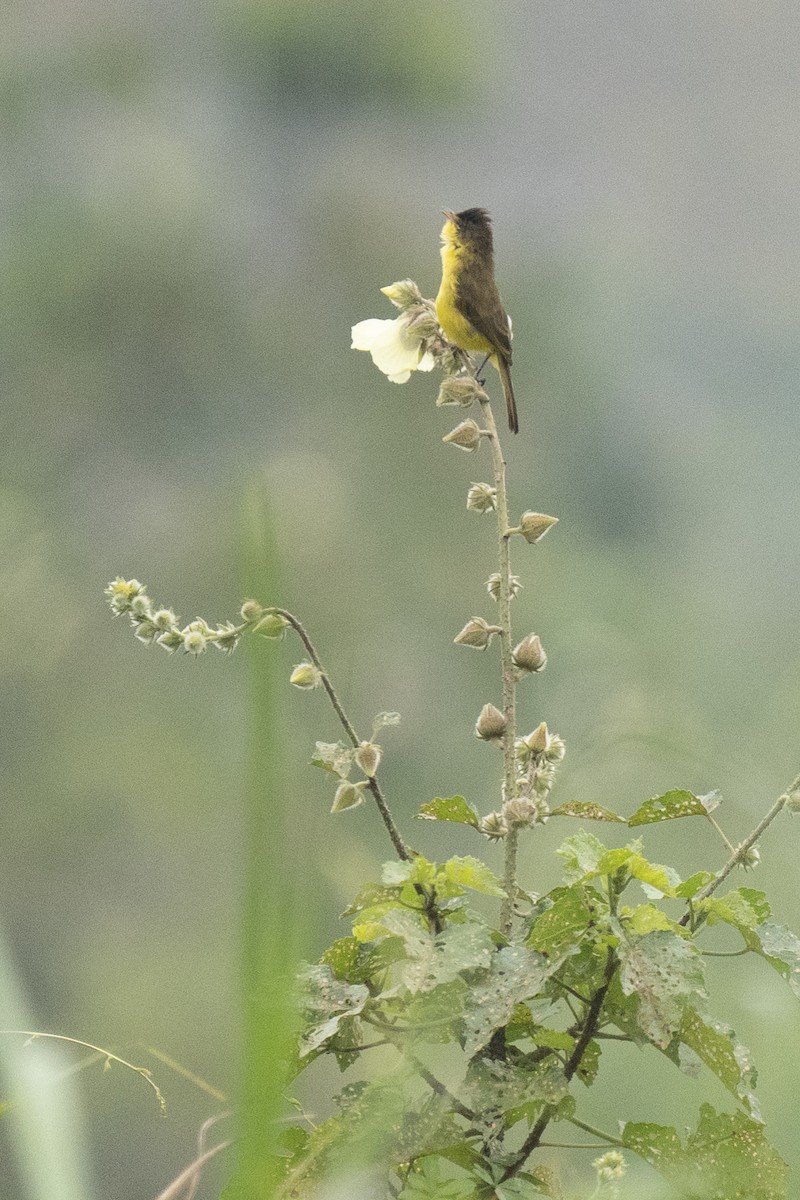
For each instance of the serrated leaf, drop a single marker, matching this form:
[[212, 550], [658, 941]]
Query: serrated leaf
[[727, 1156], [471, 873], [342, 957], [516, 974], [449, 808], [498, 1086], [581, 853], [587, 811], [334, 757], [383, 719], [665, 971], [440, 958], [646, 918], [716, 1045], [564, 924], [781, 948], [369, 895], [691, 886], [670, 806], [326, 1002]]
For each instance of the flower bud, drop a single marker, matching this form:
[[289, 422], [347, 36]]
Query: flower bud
[[348, 795], [251, 610], [273, 625], [493, 586], [491, 724], [368, 757], [556, 750], [171, 641], [538, 741], [533, 526], [610, 1166], [750, 858], [476, 633], [140, 606], [494, 826], [227, 638], [145, 631], [459, 389], [120, 592], [306, 675], [481, 498], [165, 619], [467, 436], [421, 321], [403, 294], [529, 655], [792, 802], [520, 811], [194, 641]]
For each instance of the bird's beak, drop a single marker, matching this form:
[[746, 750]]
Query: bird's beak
[[451, 216]]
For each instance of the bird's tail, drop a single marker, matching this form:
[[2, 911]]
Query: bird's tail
[[508, 391]]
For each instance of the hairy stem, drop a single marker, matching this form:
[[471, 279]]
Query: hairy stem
[[736, 857], [506, 647], [373, 785], [590, 1027]]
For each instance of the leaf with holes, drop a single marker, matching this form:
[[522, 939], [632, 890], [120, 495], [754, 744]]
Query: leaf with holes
[[516, 974], [326, 1002], [665, 971], [587, 811], [570, 916], [672, 805], [449, 808], [716, 1045]]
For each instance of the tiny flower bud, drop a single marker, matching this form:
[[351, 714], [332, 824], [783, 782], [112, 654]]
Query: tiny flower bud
[[533, 526], [227, 638], [403, 294], [476, 633], [520, 811], [348, 795], [462, 390], [610, 1166], [467, 436], [493, 586], [165, 619], [494, 826], [145, 631], [251, 610], [421, 321], [538, 741], [491, 724], [306, 675], [172, 640], [481, 498], [273, 625], [194, 641], [792, 803], [556, 750], [750, 858], [120, 592], [529, 655], [368, 757], [140, 606]]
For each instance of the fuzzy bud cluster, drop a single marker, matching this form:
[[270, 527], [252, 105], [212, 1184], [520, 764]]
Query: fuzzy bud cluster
[[493, 586], [161, 626], [461, 390], [533, 526], [467, 436], [491, 724], [529, 655], [477, 633], [481, 498], [306, 676]]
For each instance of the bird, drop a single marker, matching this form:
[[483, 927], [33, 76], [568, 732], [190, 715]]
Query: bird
[[468, 304]]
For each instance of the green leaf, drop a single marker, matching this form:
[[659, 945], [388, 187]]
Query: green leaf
[[493, 1087], [565, 923], [449, 808], [727, 1157], [427, 1181], [691, 886], [781, 948], [516, 974], [581, 852], [471, 873], [665, 971], [440, 958], [334, 757], [342, 957], [586, 811], [674, 804], [326, 1002], [646, 918], [382, 720], [716, 1045]]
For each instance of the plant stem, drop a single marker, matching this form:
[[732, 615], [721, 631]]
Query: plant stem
[[373, 785], [741, 850], [506, 648]]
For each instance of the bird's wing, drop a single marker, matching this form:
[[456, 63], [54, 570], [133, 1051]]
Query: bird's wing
[[484, 310]]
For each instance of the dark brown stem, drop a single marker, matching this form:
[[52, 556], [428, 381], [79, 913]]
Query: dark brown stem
[[590, 1026], [372, 784]]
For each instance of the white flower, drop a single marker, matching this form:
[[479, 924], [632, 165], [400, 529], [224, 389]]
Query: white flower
[[396, 350]]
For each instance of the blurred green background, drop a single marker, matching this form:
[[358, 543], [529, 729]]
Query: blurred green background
[[197, 202]]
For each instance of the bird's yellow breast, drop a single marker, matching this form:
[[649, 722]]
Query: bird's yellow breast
[[456, 327]]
